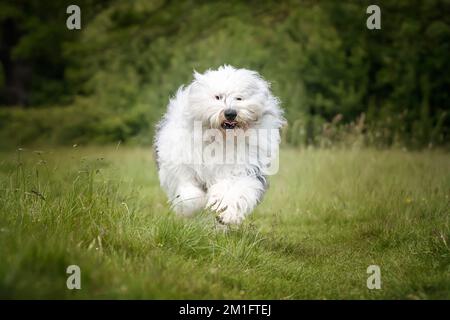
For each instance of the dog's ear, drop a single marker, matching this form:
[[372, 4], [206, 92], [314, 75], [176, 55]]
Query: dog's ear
[[197, 76], [262, 84], [273, 106], [199, 81], [200, 77], [194, 87]]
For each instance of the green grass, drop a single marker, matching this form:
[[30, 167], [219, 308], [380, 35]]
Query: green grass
[[328, 215]]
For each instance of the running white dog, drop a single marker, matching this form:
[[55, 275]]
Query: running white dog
[[228, 104]]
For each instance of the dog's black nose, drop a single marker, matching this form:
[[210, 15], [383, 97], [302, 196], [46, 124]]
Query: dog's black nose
[[230, 114]]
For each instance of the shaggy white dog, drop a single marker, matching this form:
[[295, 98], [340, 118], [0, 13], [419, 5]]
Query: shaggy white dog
[[217, 143]]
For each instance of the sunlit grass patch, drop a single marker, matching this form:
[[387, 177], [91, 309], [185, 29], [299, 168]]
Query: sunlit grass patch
[[328, 215]]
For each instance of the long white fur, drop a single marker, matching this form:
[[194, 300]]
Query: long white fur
[[231, 190]]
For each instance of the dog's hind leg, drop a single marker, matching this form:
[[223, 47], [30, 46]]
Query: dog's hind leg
[[189, 199], [185, 194]]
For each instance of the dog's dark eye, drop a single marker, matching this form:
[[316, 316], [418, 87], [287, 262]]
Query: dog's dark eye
[[239, 98], [217, 97]]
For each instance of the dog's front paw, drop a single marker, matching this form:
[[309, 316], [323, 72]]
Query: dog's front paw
[[226, 211], [216, 203], [230, 217], [230, 201], [217, 200]]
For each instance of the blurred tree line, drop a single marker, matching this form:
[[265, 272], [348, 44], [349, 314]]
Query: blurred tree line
[[339, 82]]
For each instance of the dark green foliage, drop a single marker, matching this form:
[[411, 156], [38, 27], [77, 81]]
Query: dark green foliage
[[334, 76]]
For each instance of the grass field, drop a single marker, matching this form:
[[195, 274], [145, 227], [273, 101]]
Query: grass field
[[327, 216]]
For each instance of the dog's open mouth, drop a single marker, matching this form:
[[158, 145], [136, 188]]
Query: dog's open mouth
[[229, 124]]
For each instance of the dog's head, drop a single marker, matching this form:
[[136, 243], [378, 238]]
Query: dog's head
[[230, 98]]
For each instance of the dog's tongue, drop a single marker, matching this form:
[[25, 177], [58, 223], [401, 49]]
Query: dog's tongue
[[229, 124]]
